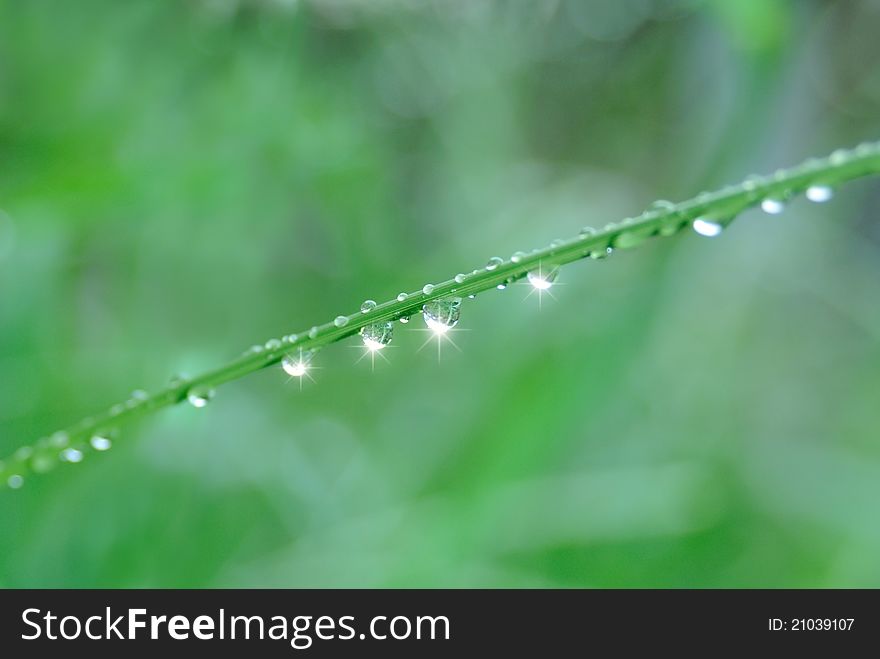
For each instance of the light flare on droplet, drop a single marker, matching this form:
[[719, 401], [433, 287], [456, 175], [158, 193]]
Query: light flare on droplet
[[707, 228]]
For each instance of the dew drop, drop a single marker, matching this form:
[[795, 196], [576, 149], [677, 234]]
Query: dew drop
[[517, 257], [427, 289], [663, 205], [839, 157], [71, 455], [199, 397], [402, 296], [377, 336], [15, 481], [586, 231], [100, 443], [460, 277], [23, 453], [772, 206], [601, 253], [472, 296], [254, 350], [501, 286], [296, 366], [139, 394], [313, 332], [404, 319], [442, 315], [59, 439], [273, 344], [340, 321], [367, 306], [559, 242], [542, 279], [819, 193], [707, 228], [494, 262]]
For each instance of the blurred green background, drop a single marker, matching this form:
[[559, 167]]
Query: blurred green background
[[179, 180]]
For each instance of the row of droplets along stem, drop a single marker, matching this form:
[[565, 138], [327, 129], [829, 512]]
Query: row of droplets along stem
[[440, 305]]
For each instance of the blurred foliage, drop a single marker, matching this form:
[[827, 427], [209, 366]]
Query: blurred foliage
[[181, 179]]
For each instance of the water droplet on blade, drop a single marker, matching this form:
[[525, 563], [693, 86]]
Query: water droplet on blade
[[100, 442], [543, 278], [517, 257], [459, 278], [296, 365], [199, 397], [494, 262], [427, 289], [402, 296], [377, 336], [772, 206], [71, 455], [707, 228], [368, 305], [819, 193], [340, 321], [442, 315], [273, 344], [15, 481]]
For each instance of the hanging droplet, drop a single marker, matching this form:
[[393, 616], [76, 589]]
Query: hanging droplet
[[15, 481], [71, 455], [340, 321], [442, 315], [460, 277], [200, 396], [313, 332], [772, 206], [819, 193], [517, 257], [501, 286], [273, 344], [100, 442], [543, 278], [377, 336], [494, 262], [601, 253], [402, 296], [368, 305], [472, 296], [404, 319], [296, 366], [427, 289], [707, 227]]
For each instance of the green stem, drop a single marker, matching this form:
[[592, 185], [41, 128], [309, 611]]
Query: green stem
[[662, 219]]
